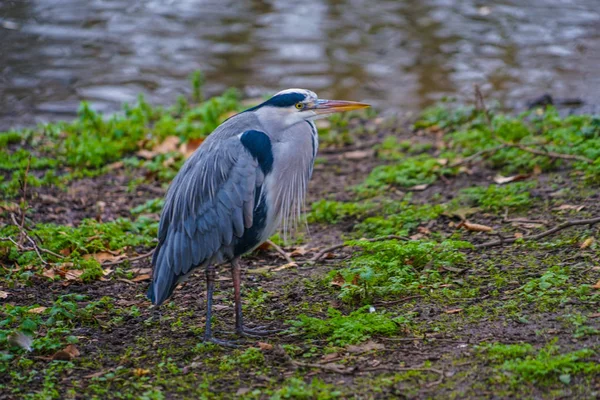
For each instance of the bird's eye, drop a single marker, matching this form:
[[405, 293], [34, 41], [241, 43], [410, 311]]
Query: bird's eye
[[299, 106]]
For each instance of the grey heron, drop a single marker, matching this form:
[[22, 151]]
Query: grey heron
[[245, 180]]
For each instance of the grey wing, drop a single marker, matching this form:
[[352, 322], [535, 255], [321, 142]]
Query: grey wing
[[210, 201]]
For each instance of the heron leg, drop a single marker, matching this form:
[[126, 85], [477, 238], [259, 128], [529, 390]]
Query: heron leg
[[240, 329], [210, 288]]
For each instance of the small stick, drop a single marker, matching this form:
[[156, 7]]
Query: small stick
[[339, 246], [474, 156], [564, 225], [281, 251], [133, 259], [325, 367]]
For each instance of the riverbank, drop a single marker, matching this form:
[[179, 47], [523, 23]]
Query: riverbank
[[472, 283]]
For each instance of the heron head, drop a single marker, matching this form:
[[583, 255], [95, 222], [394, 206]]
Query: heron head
[[291, 106]]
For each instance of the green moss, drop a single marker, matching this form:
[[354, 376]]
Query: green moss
[[392, 267], [353, 328], [295, 388], [495, 198], [410, 171]]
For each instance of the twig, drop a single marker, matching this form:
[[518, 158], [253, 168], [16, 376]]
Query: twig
[[402, 300], [478, 154], [564, 225], [480, 104], [133, 259], [339, 246], [403, 369], [281, 251], [23, 205], [326, 367], [33, 243], [547, 153]]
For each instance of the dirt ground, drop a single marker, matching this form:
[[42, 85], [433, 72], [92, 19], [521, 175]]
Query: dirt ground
[[134, 350]]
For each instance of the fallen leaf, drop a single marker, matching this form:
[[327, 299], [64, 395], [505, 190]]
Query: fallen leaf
[[358, 154], [569, 207], [594, 315], [587, 243], [22, 340], [107, 271], [265, 346], [338, 280], [141, 371], [168, 145], [188, 148], [37, 310], [46, 198], [3, 294], [66, 354], [242, 391], [537, 170], [143, 277], [518, 235], [442, 161], [65, 252], [96, 374], [285, 266], [597, 285], [104, 256], [474, 227], [115, 165], [367, 346], [329, 357], [298, 251], [356, 279], [140, 271], [500, 180], [49, 273], [453, 311], [417, 236], [73, 274], [423, 230], [418, 188]]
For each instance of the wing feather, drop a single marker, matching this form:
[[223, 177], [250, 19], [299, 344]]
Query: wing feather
[[210, 201]]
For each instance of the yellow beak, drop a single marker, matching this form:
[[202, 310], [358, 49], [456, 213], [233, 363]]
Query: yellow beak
[[335, 106]]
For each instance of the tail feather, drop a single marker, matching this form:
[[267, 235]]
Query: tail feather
[[164, 281]]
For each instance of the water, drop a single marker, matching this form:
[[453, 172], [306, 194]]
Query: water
[[400, 55]]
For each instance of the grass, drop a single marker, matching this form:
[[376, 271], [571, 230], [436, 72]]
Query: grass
[[418, 300]]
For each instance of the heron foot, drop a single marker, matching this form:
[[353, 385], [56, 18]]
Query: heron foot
[[257, 332], [221, 342]]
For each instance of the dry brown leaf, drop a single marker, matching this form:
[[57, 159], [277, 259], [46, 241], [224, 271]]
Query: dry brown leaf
[[586, 243], [66, 354], [474, 227], [594, 315], [418, 188], [65, 252], [423, 230], [330, 356], [597, 285], [140, 271], [537, 170], [38, 310], [49, 273], [3, 294], [453, 311], [442, 161], [188, 148], [141, 371], [104, 256], [242, 391], [169, 144], [358, 154], [143, 277], [298, 251], [417, 236], [338, 280], [569, 207], [115, 165], [518, 235], [500, 180], [285, 266], [73, 274], [7, 206], [367, 346], [265, 346]]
